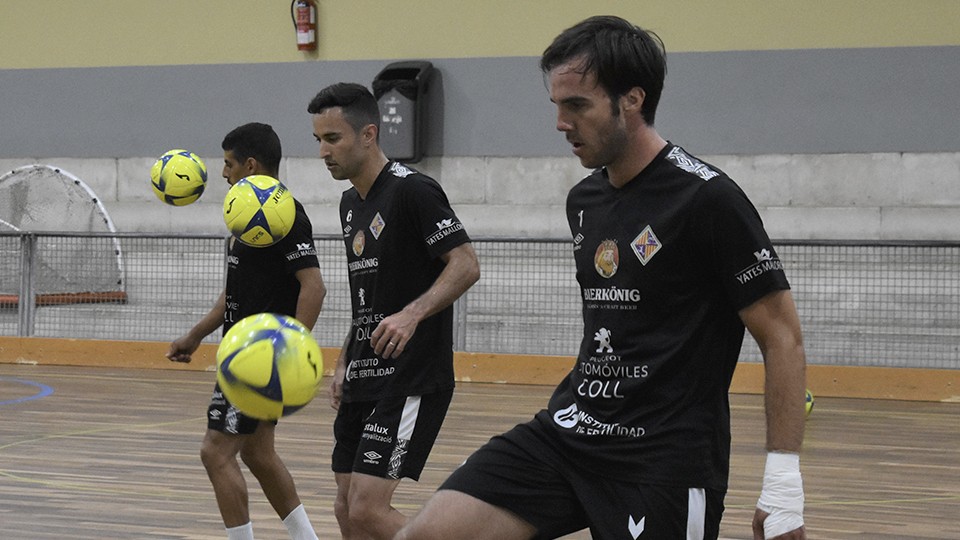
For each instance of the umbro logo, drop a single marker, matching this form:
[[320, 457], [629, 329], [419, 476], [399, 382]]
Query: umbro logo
[[372, 457]]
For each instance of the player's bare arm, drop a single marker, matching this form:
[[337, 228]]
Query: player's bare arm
[[462, 270], [312, 293], [775, 325], [181, 349]]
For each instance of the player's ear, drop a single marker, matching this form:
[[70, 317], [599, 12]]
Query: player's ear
[[632, 100], [368, 135], [251, 165]]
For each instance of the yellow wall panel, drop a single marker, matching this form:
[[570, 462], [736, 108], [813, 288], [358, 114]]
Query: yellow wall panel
[[70, 33]]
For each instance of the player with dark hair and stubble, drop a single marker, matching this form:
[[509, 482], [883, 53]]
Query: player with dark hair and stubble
[[408, 259], [283, 278], [673, 264]]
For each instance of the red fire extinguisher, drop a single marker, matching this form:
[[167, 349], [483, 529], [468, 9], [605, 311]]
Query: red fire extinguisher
[[304, 13]]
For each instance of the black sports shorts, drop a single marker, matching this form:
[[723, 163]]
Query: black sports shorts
[[390, 438], [222, 416], [522, 471]]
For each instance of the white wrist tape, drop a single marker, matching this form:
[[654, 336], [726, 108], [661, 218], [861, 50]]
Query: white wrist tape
[[782, 494]]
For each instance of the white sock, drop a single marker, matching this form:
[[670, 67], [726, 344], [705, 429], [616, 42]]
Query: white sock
[[243, 532], [298, 525]]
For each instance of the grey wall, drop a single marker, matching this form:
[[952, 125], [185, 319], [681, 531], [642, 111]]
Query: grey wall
[[744, 102]]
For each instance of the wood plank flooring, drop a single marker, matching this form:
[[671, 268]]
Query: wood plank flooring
[[107, 453]]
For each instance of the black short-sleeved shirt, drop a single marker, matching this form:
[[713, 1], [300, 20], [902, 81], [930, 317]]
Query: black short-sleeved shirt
[[394, 239], [664, 265], [262, 279]]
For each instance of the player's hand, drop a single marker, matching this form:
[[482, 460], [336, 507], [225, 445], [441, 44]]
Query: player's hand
[[336, 385], [760, 516], [181, 349], [392, 334]]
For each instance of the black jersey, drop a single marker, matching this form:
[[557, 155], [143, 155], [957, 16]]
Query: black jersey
[[394, 239], [664, 265], [262, 279]]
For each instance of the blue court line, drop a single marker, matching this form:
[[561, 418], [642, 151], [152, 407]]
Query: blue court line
[[44, 391]]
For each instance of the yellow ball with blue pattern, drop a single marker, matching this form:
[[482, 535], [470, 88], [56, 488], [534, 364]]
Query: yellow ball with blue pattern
[[269, 366], [179, 177], [259, 210]]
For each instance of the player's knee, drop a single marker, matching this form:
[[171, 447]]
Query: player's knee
[[211, 455], [364, 517]]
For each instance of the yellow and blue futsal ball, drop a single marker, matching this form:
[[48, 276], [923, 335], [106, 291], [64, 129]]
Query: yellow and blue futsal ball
[[809, 402], [269, 366], [259, 210], [178, 177]]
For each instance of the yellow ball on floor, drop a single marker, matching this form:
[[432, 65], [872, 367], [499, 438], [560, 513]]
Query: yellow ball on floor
[[809, 401]]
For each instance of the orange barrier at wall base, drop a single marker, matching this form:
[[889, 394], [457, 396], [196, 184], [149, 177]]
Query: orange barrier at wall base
[[908, 384]]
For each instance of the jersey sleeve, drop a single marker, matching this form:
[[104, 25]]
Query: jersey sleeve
[[428, 207], [742, 255], [297, 247]]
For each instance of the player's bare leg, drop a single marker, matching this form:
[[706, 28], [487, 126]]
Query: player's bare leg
[[219, 456], [451, 514], [260, 456], [363, 503], [342, 510]]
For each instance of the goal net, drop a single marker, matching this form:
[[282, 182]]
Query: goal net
[[71, 266]]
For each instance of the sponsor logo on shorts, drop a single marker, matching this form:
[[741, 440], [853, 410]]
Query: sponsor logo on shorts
[[232, 420], [378, 433], [397, 458], [372, 457]]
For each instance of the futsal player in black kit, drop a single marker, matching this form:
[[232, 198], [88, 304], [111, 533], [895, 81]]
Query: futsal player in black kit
[[409, 258], [283, 278], [673, 263]]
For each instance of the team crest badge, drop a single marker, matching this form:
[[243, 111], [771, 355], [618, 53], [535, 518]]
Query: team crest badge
[[377, 225], [359, 242], [607, 258], [646, 245]]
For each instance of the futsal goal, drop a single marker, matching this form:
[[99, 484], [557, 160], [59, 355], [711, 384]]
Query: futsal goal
[[81, 263]]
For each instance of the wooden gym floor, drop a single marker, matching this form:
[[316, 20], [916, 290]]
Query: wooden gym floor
[[104, 453]]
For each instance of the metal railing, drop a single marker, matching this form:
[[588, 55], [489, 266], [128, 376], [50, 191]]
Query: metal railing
[[893, 304]]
